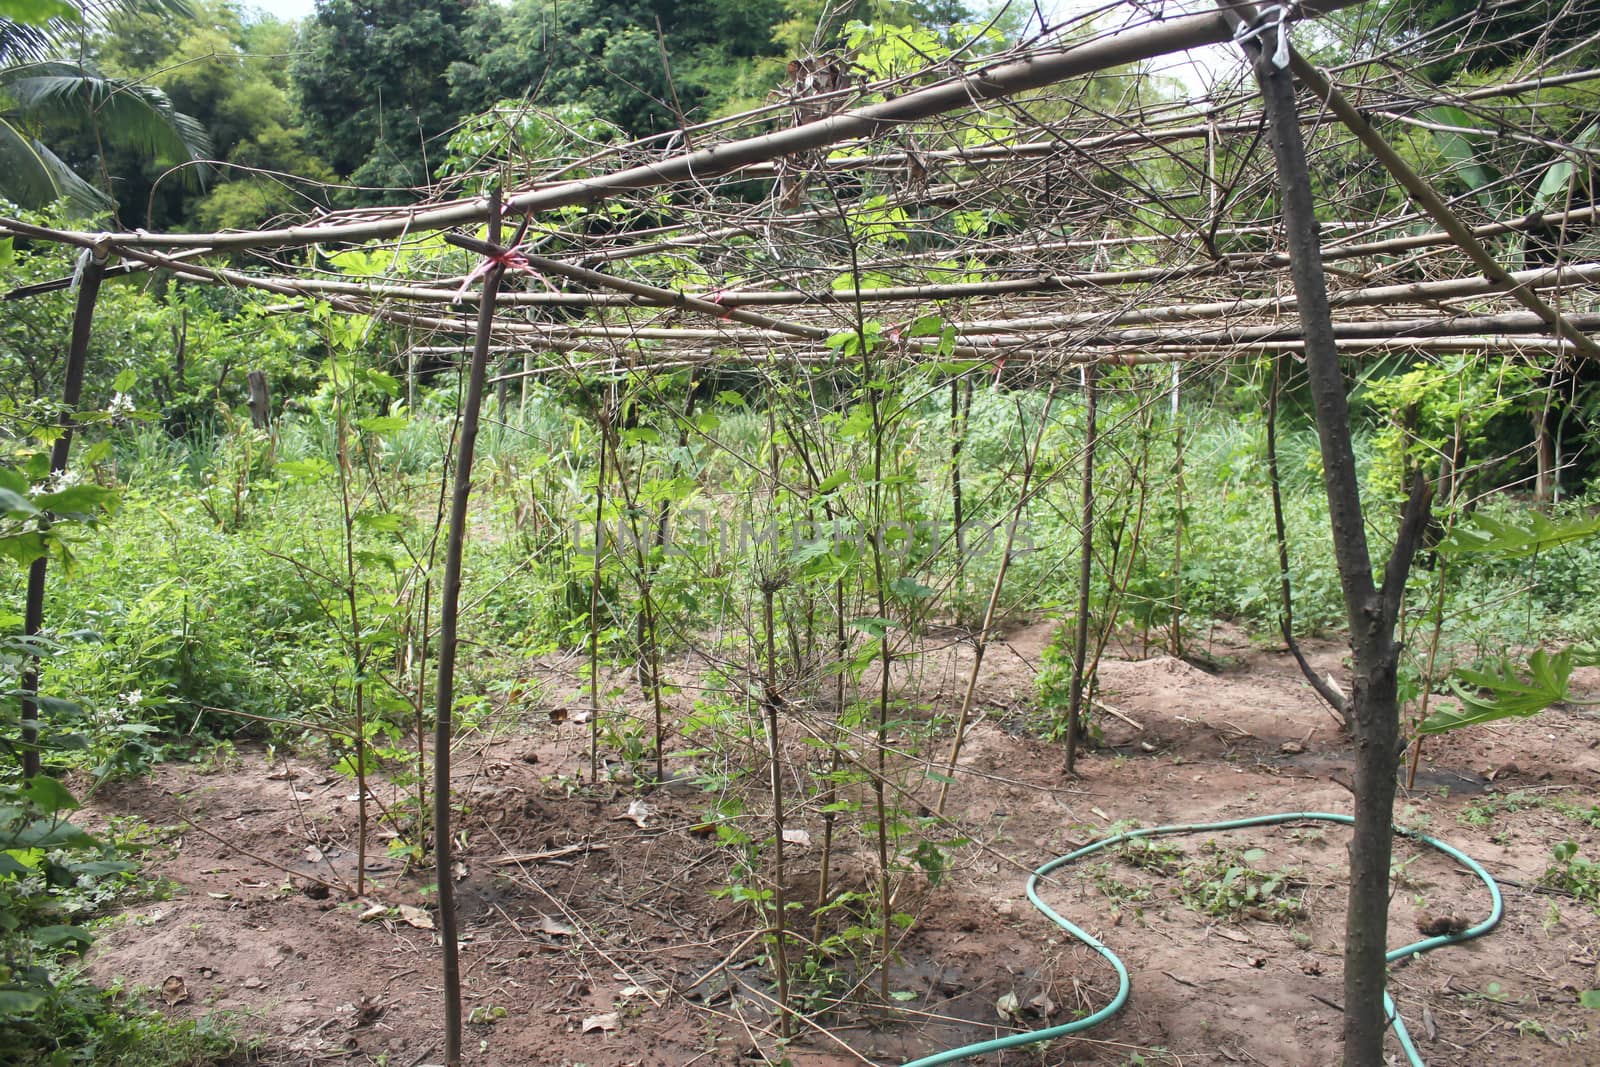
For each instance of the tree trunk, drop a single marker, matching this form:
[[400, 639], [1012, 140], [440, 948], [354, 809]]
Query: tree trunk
[[260, 399], [1372, 610]]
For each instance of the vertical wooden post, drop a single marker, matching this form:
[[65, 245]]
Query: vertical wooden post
[[91, 272], [449, 608]]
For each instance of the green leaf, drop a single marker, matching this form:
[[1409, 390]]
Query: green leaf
[[1460, 149], [902, 995], [38, 12], [1590, 998], [1526, 535], [872, 625], [384, 423], [47, 794], [308, 470], [15, 504], [1558, 178], [15, 1001], [62, 936], [379, 521], [83, 499], [1511, 691], [125, 380]]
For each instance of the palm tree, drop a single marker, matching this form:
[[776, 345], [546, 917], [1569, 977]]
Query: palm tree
[[39, 89]]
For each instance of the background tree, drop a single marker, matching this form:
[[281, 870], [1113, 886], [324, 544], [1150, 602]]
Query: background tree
[[371, 87], [230, 70]]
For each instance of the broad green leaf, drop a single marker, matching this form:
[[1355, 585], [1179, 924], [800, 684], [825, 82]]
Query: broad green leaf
[[1530, 533], [384, 423], [1558, 178], [1460, 149], [15, 1001], [83, 499], [62, 936], [1511, 691], [379, 522], [15, 504], [1590, 998], [47, 794]]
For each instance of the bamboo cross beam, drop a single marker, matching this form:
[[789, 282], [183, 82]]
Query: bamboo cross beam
[[1031, 71], [667, 297], [1430, 201]]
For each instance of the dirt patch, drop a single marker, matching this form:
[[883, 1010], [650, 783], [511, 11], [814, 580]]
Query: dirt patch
[[594, 933]]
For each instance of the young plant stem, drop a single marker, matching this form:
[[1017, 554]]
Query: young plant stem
[[594, 593], [1436, 624], [449, 608], [981, 645], [644, 578], [1175, 634], [960, 412], [1280, 534], [1080, 638], [835, 761], [769, 703], [94, 268], [358, 646]]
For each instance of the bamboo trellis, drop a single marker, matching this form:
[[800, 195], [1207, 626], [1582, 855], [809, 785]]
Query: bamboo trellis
[[1036, 202]]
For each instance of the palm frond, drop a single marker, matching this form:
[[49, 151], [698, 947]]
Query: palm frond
[[23, 43], [128, 114], [33, 176]]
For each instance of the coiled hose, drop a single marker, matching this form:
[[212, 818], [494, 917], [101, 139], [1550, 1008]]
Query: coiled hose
[[1076, 1026]]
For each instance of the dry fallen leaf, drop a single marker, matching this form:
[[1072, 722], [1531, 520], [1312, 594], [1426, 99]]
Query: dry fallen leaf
[[173, 990], [313, 854], [375, 911], [638, 812], [549, 926], [415, 916], [604, 1023], [797, 837], [1008, 1006]]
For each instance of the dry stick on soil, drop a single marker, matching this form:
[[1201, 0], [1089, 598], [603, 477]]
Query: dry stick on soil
[[449, 603], [982, 644], [1080, 637], [1372, 609], [1334, 699], [343, 887], [92, 267]]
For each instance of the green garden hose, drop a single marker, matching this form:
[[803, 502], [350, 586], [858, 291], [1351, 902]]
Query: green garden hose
[[1051, 1033]]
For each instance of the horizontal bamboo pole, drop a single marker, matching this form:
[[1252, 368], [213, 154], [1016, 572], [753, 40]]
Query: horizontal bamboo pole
[[1032, 71]]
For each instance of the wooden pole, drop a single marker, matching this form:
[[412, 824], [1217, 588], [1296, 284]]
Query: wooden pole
[[449, 608], [92, 268]]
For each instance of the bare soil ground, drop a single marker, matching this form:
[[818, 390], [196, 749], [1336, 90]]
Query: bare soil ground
[[603, 945]]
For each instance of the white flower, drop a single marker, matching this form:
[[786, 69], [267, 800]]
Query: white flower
[[132, 697], [121, 404]]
